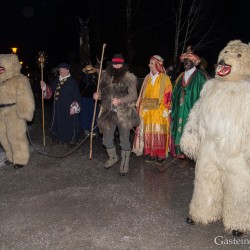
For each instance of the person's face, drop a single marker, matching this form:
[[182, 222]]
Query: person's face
[[63, 72], [152, 67], [187, 64], [117, 66]]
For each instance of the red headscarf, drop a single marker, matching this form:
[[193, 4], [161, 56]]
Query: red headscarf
[[158, 63]]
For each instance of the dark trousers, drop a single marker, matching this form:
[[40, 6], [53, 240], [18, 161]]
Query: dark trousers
[[108, 137]]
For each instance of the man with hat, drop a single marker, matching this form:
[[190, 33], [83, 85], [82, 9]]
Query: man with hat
[[87, 85], [117, 93], [64, 89], [186, 92]]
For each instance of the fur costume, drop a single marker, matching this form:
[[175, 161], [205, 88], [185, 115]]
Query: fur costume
[[217, 137], [126, 113], [16, 107]]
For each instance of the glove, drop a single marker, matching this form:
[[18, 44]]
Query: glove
[[74, 108]]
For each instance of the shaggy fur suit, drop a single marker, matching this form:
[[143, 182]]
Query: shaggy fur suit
[[217, 137], [14, 89]]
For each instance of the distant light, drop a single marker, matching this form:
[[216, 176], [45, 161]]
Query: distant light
[[14, 50], [21, 62]]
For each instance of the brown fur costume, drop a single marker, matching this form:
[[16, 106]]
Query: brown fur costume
[[217, 136], [117, 87], [16, 107]]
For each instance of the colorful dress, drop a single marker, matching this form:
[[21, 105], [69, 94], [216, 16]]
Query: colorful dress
[[152, 136], [185, 94]]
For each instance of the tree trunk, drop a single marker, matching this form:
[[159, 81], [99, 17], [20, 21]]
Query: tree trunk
[[129, 41]]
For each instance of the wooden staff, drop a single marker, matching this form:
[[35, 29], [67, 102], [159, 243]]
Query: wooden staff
[[41, 62], [97, 90]]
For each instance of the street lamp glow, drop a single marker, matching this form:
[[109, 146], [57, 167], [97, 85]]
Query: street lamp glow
[[14, 50]]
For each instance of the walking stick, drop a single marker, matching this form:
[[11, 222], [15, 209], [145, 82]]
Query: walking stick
[[41, 61], [97, 90]]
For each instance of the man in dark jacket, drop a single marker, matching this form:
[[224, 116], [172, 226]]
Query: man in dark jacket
[[88, 86], [67, 98]]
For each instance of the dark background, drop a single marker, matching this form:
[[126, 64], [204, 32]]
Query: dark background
[[51, 26]]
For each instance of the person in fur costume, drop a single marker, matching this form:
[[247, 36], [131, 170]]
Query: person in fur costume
[[217, 137], [118, 92], [16, 108]]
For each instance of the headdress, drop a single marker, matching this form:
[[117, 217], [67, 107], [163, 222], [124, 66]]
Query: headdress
[[190, 56], [158, 63]]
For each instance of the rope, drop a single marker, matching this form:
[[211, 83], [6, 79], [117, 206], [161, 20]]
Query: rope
[[72, 150]]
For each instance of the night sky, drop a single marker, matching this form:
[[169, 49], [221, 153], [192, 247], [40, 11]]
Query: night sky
[[52, 26]]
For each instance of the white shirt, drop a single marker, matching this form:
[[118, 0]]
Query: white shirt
[[188, 73], [153, 77], [61, 78]]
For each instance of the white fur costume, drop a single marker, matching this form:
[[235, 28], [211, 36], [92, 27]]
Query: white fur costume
[[16, 92], [217, 136]]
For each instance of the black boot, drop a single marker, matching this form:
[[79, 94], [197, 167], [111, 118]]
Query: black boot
[[190, 221], [150, 159], [17, 166], [7, 162], [237, 233]]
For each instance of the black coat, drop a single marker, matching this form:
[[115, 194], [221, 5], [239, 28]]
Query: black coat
[[88, 84], [65, 127]]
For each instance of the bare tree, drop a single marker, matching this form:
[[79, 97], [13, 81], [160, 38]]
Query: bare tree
[[193, 24], [139, 10], [129, 31]]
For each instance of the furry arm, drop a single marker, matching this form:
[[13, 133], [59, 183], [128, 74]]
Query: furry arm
[[24, 99], [132, 91]]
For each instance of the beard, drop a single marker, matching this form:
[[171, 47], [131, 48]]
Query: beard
[[118, 74]]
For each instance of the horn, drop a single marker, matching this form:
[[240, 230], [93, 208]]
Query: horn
[[97, 59]]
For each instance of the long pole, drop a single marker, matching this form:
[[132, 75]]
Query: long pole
[[41, 61], [97, 90], [43, 110]]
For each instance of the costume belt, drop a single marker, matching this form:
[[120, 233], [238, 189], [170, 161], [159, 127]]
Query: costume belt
[[7, 105]]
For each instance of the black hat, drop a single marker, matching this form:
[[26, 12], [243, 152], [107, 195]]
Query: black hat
[[117, 59], [63, 66]]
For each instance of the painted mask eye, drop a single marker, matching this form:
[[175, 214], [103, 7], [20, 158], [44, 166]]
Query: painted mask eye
[[239, 55]]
